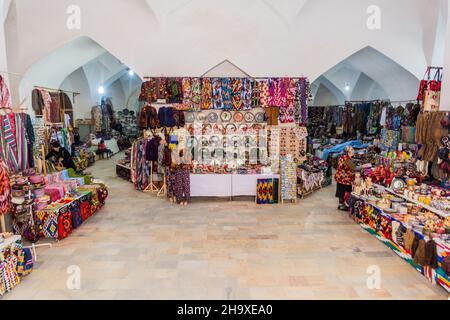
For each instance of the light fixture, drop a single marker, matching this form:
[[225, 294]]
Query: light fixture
[[347, 87], [101, 90], [130, 73]]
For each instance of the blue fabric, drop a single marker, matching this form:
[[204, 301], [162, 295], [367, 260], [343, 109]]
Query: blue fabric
[[356, 144]]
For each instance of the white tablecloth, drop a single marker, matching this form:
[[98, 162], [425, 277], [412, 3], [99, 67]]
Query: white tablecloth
[[226, 185], [210, 185], [245, 184]]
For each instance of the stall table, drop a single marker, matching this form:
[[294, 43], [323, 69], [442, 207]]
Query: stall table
[[226, 185]]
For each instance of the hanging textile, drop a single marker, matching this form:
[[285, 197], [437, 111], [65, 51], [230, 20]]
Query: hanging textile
[[303, 92], [174, 91], [236, 88], [247, 94], [217, 102], [5, 99], [187, 94], [5, 190], [196, 93], [162, 87], [265, 93], [256, 94], [206, 94], [227, 94], [149, 92]]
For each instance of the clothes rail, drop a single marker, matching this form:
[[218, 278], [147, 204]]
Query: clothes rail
[[249, 77], [11, 73], [57, 90]]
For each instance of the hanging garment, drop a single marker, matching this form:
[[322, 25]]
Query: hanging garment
[[303, 93], [227, 94], [152, 148], [217, 102], [272, 115], [149, 91], [5, 99], [175, 91], [182, 185], [37, 102], [161, 88], [247, 94], [206, 94], [236, 88]]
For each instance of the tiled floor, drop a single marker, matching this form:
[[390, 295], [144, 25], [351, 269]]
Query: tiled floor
[[140, 247]]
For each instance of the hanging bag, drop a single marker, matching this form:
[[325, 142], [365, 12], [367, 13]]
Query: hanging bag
[[424, 84], [432, 97]]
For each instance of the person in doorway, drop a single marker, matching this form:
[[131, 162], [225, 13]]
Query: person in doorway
[[60, 157], [345, 177]]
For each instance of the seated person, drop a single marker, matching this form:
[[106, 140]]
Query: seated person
[[60, 156], [102, 149]]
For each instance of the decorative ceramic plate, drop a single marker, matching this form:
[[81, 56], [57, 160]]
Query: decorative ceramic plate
[[249, 117], [190, 117], [213, 117], [398, 184], [215, 141], [260, 117], [204, 142], [243, 128], [238, 117], [226, 116], [201, 117], [231, 128], [192, 142]]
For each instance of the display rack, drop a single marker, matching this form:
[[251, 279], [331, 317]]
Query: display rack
[[440, 213]]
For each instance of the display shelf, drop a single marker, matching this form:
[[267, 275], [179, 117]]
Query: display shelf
[[434, 275], [440, 213]]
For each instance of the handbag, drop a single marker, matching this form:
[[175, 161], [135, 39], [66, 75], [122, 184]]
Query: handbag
[[446, 265], [432, 100], [424, 84]]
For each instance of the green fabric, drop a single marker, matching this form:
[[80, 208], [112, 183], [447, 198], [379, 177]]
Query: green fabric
[[73, 174]]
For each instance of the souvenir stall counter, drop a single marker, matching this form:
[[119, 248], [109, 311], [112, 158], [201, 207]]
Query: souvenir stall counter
[[235, 129], [414, 234], [53, 206], [313, 175]]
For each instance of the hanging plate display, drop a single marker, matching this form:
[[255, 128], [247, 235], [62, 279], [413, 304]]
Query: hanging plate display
[[260, 117], [238, 117], [190, 117], [226, 116], [249, 117], [213, 117]]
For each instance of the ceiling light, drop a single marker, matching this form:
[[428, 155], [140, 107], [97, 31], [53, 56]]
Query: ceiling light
[[101, 90], [130, 73], [347, 87]]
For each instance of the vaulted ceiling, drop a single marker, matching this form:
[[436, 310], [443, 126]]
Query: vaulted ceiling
[[326, 40]]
